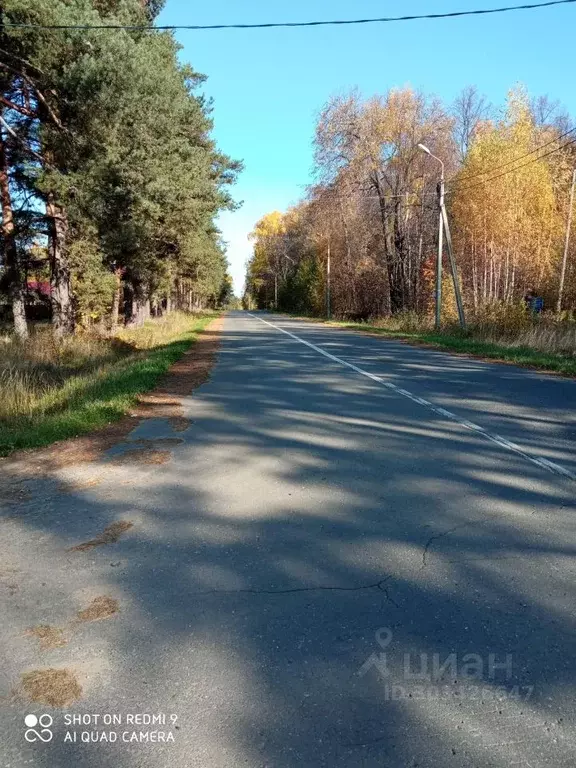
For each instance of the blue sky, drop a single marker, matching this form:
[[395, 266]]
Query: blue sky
[[268, 85]]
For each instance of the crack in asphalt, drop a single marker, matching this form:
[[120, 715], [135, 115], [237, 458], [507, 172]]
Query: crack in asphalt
[[295, 590], [389, 596], [441, 535]]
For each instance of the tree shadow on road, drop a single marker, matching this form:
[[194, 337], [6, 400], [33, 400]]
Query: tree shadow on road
[[309, 521]]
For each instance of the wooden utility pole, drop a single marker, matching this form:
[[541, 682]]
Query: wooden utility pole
[[453, 268], [566, 244], [438, 300]]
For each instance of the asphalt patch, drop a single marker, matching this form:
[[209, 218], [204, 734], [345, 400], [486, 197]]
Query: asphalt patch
[[179, 423], [14, 493], [148, 456], [158, 441]]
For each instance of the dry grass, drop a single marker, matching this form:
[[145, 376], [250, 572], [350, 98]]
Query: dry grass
[[100, 608], [36, 373], [40, 374], [156, 332], [110, 535], [49, 637], [497, 325], [503, 332], [404, 322], [511, 326], [164, 402], [53, 687], [52, 391], [554, 338]]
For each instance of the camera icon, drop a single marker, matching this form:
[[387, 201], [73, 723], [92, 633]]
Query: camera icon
[[38, 728]]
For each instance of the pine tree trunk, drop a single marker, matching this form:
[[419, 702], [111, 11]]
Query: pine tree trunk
[[115, 311], [16, 284], [138, 306], [60, 288], [138, 312]]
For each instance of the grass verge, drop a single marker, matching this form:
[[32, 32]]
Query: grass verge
[[79, 397], [463, 343]]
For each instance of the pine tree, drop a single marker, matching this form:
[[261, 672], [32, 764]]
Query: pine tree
[[120, 156]]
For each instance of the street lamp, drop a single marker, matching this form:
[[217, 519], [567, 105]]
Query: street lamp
[[425, 149]]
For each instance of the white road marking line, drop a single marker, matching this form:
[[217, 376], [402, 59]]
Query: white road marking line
[[501, 441], [557, 468], [471, 425]]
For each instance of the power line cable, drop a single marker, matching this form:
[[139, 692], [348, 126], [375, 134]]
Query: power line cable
[[270, 25], [373, 197], [513, 170], [460, 179]]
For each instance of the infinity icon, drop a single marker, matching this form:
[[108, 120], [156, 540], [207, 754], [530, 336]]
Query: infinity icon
[[45, 734]]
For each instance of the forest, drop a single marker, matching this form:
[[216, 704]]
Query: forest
[[109, 178], [111, 262], [370, 220]]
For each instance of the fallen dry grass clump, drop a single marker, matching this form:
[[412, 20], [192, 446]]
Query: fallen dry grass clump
[[53, 687], [49, 637], [100, 608], [110, 535]]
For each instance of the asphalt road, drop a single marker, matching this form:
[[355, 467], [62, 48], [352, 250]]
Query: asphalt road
[[361, 554]]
